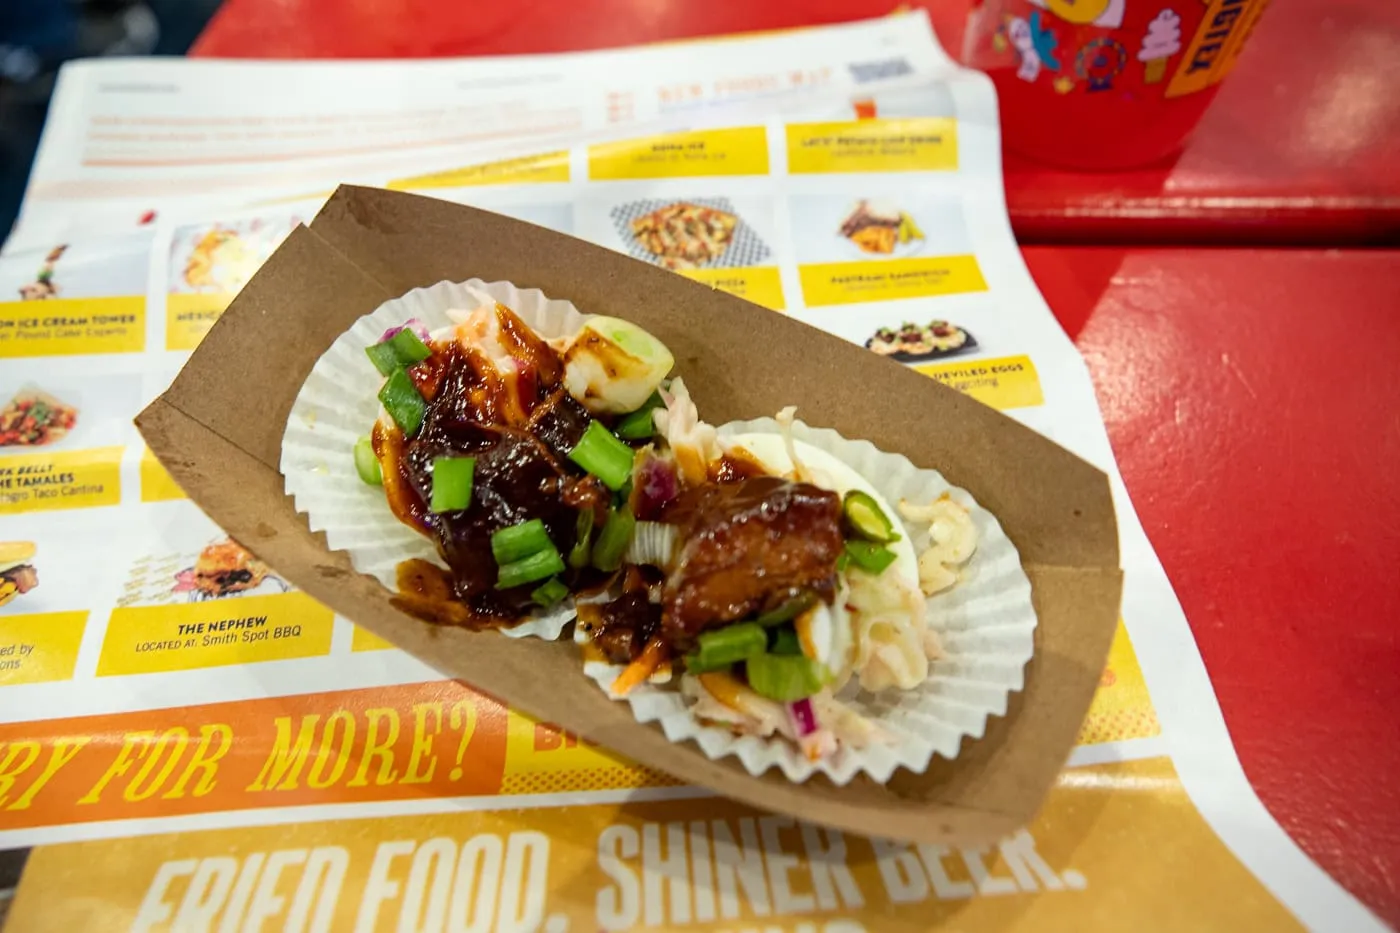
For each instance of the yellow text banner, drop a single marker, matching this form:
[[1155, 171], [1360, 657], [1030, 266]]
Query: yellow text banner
[[923, 144], [701, 153], [841, 283], [157, 485], [538, 169], [79, 479], [762, 285], [234, 630], [39, 647], [188, 317], [69, 326], [1004, 382], [362, 639]]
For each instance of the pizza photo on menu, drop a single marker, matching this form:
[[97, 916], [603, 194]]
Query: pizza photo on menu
[[687, 234]]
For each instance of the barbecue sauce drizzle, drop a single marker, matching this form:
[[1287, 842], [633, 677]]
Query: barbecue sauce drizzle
[[515, 418]]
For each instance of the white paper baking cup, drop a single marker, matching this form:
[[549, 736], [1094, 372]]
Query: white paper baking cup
[[986, 625], [339, 403]]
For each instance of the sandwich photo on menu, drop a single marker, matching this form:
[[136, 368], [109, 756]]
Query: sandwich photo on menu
[[226, 568], [17, 573], [878, 228]]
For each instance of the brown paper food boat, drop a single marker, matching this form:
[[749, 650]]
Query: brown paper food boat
[[218, 430]]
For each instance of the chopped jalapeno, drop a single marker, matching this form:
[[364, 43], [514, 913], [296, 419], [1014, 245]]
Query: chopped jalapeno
[[870, 557], [867, 519], [401, 400]]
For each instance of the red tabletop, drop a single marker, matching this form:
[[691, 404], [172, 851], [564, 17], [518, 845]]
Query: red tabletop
[[1250, 401], [1299, 147]]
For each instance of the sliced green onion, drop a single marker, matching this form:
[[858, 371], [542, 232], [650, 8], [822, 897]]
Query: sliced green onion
[[784, 641], [366, 463], [452, 483], [695, 665], [603, 455], [408, 347], [403, 349], [867, 519], [583, 539], [787, 611], [549, 593], [537, 566], [640, 425], [783, 677], [518, 542], [384, 358], [401, 400], [730, 644], [623, 495], [613, 540], [870, 557]]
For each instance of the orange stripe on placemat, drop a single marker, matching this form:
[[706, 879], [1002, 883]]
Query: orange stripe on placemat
[[438, 739]]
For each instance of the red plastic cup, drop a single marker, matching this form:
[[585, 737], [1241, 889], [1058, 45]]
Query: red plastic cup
[[1103, 84]]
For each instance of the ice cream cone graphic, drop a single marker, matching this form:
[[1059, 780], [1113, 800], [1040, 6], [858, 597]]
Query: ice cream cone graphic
[[1162, 41]]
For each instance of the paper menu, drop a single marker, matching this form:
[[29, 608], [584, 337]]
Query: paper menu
[[845, 216], [126, 141]]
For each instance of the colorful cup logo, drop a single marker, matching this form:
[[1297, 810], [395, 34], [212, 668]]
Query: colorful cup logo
[[1105, 83], [1099, 45]]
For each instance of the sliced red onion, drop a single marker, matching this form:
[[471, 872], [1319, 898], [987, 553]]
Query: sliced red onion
[[657, 487], [416, 325], [803, 716]]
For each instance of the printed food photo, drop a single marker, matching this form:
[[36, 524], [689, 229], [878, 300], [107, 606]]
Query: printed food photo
[[34, 418], [913, 343], [219, 258], [17, 573], [688, 234], [226, 568], [878, 228]]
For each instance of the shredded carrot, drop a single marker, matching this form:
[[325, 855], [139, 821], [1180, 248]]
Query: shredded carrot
[[651, 658], [724, 688]]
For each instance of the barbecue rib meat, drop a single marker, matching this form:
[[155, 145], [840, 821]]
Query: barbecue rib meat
[[748, 547]]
